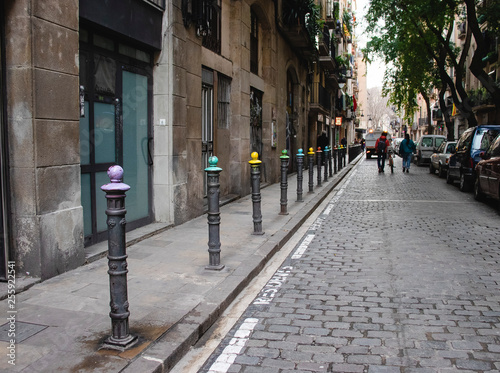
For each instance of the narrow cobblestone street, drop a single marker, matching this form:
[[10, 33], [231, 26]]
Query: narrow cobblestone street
[[399, 273]]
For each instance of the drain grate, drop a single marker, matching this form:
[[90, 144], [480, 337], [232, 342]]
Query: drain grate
[[23, 331]]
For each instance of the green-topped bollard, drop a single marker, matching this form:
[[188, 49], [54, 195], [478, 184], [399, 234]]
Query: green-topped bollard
[[284, 182], [213, 214], [339, 155], [300, 162], [256, 198], [325, 155], [311, 170], [318, 160]]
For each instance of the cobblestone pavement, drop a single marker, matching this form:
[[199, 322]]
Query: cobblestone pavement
[[399, 273]]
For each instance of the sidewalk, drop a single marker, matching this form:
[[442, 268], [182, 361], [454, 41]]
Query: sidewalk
[[62, 322]]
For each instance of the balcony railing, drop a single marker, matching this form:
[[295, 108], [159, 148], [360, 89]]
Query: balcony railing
[[320, 98]]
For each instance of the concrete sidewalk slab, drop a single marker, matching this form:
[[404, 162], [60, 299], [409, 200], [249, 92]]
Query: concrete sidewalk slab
[[173, 299]]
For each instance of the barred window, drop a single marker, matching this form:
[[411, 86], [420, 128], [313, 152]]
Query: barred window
[[223, 101]]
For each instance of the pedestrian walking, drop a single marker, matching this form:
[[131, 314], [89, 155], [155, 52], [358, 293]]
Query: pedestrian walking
[[381, 145], [406, 150], [322, 142]]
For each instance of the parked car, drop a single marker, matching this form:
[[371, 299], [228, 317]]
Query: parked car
[[395, 144], [488, 173], [440, 159], [427, 145], [472, 142]]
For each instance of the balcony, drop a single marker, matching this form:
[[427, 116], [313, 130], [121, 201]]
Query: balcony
[[324, 43], [320, 99]]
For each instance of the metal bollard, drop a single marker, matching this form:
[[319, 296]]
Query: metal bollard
[[284, 182], [256, 198], [311, 170], [213, 214], [318, 159], [330, 161], [121, 339], [326, 163], [339, 154], [335, 151], [345, 156], [300, 162]]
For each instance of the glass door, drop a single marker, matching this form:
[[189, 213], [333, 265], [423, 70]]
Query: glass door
[[114, 129]]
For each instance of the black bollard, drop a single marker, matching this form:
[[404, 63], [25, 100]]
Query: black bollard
[[311, 170], [335, 151], [325, 156], [284, 182], [256, 197], [300, 162], [318, 159], [121, 339], [345, 156], [213, 214], [339, 154], [330, 161]]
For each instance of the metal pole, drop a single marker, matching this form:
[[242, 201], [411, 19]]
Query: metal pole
[[345, 156], [256, 197], [213, 214], [300, 162], [330, 161], [311, 170], [121, 339], [318, 160], [325, 153], [339, 154], [284, 182], [335, 151]]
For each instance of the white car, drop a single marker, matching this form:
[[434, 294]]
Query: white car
[[441, 158]]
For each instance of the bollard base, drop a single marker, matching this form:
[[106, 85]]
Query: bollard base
[[283, 213], [215, 268], [258, 233], [119, 344]]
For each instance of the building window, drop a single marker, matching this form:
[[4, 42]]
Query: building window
[[254, 44], [223, 101], [211, 25]]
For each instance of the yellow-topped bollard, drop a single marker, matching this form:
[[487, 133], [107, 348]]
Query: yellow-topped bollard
[[311, 169], [255, 158], [256, 198]]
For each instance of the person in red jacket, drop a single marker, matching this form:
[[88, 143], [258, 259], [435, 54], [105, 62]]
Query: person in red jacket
[[381, 146]]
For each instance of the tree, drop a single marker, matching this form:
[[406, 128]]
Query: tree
[[378, 109], [414, 32]]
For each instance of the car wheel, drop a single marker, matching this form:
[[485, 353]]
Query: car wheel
[[441, 172], [419, 162], [464, 185], [478, 195], [449, 178]]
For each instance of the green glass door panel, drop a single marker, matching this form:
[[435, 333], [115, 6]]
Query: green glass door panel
[[86, 204], [85, 137], [135, 144], [101, 178], [104, 132]]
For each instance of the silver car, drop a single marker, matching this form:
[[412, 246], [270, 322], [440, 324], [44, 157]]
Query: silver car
[[440, 159], [427, 145]]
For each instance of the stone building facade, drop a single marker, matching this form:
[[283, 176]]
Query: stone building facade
[[155, 86]]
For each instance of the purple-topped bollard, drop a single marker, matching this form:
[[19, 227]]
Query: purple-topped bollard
[[284, 182], [121, 339], [311, 170], [213, 214], [256, 197], [300, 175]]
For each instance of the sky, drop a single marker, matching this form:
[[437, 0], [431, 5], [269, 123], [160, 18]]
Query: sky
[[375, 70]]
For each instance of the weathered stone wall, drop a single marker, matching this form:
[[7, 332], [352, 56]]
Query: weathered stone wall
[[43, 135]]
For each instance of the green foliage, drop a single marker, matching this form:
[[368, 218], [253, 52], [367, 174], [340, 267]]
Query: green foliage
[[490, 13]]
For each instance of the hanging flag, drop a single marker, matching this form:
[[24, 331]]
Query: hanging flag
[[454, 110], [355, 104]]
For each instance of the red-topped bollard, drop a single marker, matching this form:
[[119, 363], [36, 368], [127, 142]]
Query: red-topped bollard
[[121, 339]]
